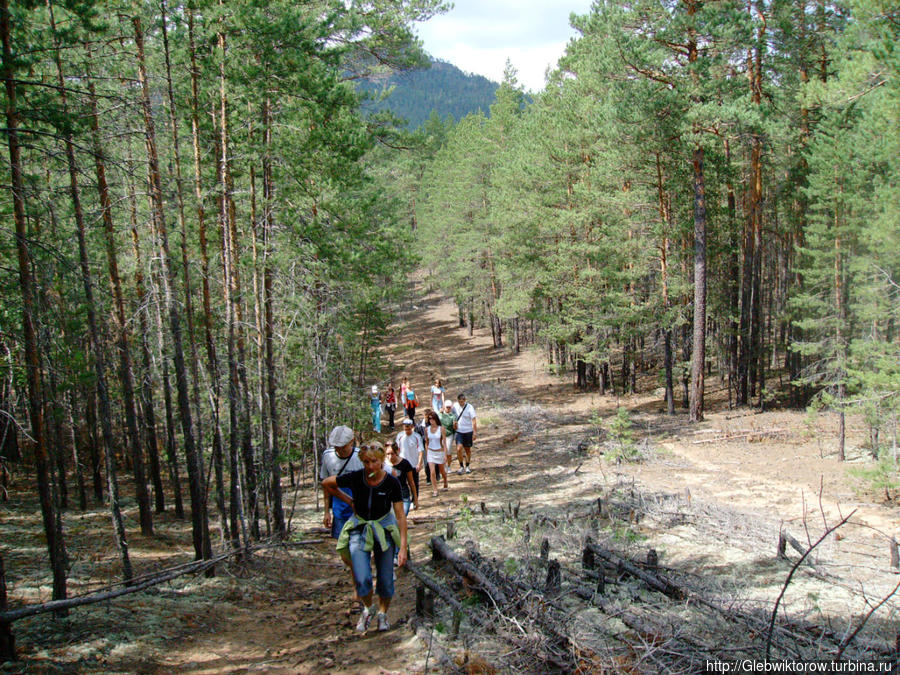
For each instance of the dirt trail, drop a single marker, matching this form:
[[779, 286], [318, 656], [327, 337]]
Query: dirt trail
[[292, 615]]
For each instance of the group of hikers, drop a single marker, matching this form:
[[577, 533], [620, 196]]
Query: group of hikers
[[370, 489]]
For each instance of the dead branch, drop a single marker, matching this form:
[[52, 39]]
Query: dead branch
[[133, 586], [654, 581], [749, 435], [790, 575], [847, 640], [443, 551]]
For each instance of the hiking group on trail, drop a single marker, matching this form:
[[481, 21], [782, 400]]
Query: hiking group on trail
[[370, 489]]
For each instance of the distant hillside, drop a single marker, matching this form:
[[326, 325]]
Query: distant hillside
[[443, 87]]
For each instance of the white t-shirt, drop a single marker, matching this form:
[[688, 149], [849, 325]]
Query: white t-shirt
[[434, 439], [464, 417], [410, 447]]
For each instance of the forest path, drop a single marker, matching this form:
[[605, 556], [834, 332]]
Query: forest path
[[530, 426], [289, 610]]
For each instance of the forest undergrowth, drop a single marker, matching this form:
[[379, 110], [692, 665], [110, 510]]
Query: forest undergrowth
[[548, 483]]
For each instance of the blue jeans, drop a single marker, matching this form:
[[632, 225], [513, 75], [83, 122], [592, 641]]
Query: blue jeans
[[407, 504], [362, 566], [376, 415]]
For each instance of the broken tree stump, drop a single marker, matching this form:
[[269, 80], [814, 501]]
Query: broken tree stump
[[545, 548], [451, 530], [587, 555], [785, 538], [554, 576], [7, 640], [424, 602], [442, 551], [445, 594], [654, 581], [895, 554]]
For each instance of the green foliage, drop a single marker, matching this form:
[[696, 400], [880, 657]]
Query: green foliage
[[622, 435], [884, 476]]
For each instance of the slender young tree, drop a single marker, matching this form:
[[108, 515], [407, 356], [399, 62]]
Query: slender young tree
[[202, 547]]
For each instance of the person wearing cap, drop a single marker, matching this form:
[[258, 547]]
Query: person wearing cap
[[466, 426], [375, 400], [446, 417], [412, 449], [340, 458]]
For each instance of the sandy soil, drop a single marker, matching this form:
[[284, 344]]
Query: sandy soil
[[744, 475]]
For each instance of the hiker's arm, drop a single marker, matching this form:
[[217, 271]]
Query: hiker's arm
[[401, 522], [412, 488], [331, 490]]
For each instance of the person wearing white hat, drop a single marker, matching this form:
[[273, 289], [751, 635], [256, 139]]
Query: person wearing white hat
[[340, 458], [375, 400]]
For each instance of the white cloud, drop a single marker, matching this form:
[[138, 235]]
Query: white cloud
[[479, 37]]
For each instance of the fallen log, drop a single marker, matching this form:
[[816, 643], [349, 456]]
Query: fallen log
[[749, 435], [654, 581], [442, 551], [446, 594], [134, 585]]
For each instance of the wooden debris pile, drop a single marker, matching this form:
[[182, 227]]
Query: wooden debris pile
[[604, 613]]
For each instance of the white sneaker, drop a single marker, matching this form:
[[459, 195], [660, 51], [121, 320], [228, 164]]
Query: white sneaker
[[383, 621], [468, 470], [364, 620], [461, 470]]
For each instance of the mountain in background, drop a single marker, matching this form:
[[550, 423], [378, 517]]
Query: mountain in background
[[443, 88]]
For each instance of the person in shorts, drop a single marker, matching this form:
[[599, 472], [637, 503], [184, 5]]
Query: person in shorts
[[446, 417], [466, 426], [412, 449]]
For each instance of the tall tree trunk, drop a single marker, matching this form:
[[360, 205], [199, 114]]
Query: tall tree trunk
[[212, 363], [91, 440], [126, 374], [182, 226], [698, 351], [269, 332], [262, 408], [665, 218], [202, 546], [76, 453], [238, 520]]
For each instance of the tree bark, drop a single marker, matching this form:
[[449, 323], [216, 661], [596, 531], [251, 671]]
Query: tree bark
[[7, 640], [238, 520], [698, 352], [29, 316], [182, 226], [212, 363], [269, 332], [202, 547], [126, 372]]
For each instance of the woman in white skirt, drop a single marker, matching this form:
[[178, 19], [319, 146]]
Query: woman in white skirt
[[436, 454]]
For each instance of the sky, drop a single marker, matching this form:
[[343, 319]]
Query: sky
[[478, 36]]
